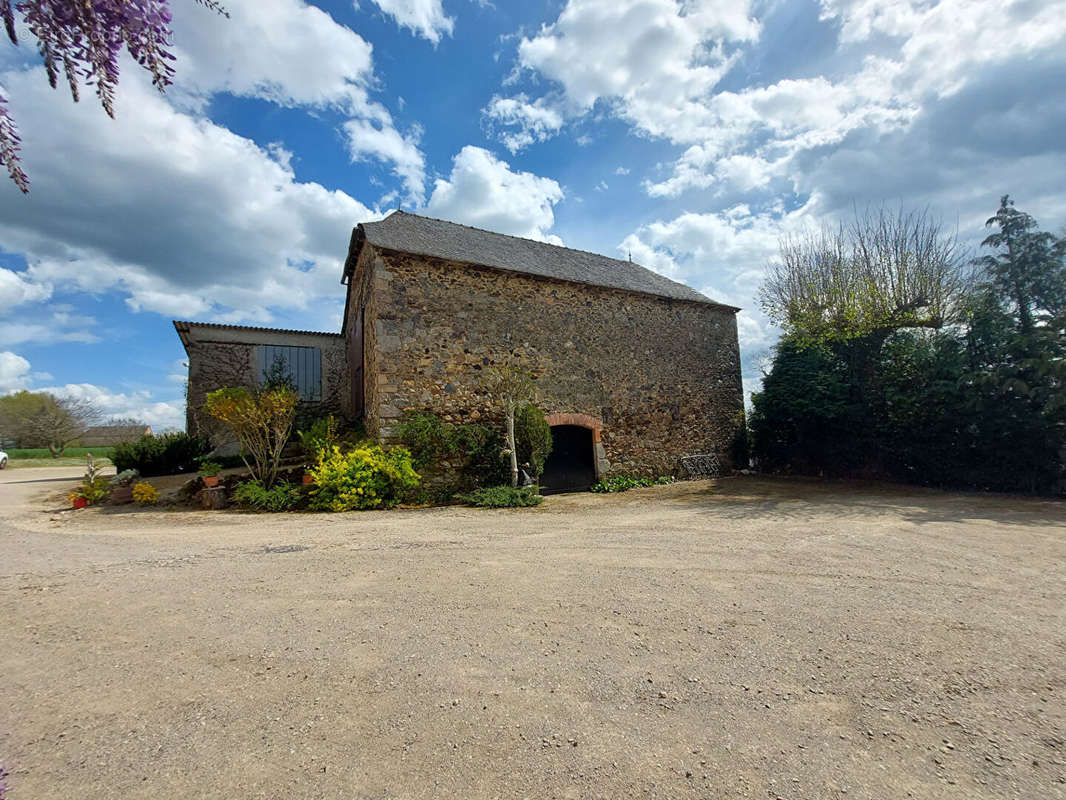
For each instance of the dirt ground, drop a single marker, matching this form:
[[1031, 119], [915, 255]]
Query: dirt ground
[[745, 638]]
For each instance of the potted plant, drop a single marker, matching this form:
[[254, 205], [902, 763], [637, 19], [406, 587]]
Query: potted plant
[[94, 488], [209, 472]]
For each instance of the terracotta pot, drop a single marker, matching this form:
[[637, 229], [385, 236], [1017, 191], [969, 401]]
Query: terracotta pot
[[210, 480], [308, 480], [80, 502]]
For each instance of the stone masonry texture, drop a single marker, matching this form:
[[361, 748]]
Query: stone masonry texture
[[661, 374]]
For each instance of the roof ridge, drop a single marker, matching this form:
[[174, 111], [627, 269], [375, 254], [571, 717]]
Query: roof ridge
[[535, 241]]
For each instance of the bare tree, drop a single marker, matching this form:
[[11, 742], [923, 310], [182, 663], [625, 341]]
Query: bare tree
[[880, 272], [125, 421], [511, 388]]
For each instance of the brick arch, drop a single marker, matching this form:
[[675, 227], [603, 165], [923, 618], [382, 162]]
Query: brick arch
[[583, 420]]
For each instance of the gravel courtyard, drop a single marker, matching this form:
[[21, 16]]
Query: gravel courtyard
[[745, 638]]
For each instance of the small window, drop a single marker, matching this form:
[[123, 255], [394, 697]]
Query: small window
[[301, 365]]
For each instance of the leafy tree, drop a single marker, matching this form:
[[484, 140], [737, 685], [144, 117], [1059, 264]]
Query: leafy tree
[[1026, 272], [980, 403], [40, 419], [1017, 346], [842, 293], [262, 422], [510, 388], [84, 39], [865, 279]]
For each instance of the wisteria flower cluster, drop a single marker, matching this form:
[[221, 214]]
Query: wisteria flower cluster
[[83, 39]]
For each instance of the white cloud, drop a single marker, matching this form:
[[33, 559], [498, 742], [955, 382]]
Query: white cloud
[[423, 17], [292, 54], [367, 138], [138, 405], [484, 192], [725, 253], [210, 222], [16, 289], [56, 323], [534, 122], [646, 53], [14, 372], [622, 171], [654, 60], [285, 51], [656, 64]]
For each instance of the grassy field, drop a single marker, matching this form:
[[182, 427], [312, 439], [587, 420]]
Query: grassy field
[[72, 456]]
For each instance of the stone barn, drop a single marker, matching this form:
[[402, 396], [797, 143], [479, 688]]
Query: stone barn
[[634, 371]]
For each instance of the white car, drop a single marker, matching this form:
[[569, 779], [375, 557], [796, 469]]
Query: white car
[[3, 459]]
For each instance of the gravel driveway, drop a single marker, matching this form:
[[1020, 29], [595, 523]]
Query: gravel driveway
[[747, 638]]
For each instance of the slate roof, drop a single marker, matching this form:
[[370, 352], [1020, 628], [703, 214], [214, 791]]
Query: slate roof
[[410, 233]]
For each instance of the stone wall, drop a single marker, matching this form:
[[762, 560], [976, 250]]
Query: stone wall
[[225, 356], [662, 375], [360, 294]]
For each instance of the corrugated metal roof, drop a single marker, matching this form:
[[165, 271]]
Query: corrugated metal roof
[[410, 233], [185, 325]]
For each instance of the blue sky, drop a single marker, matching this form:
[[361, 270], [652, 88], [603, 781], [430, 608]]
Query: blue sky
[[691, 134]]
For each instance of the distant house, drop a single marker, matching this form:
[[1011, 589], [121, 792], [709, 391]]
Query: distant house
[[635, 371], [110, 435]]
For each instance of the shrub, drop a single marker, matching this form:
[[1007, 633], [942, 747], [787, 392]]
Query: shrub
[[482, 449], [623, 483], [503, 497], [319, 436], [125, 478], [165, 454], [367, 477], [261, 421], [478, 449], [429, 438], [533, 438], [280, 497], [145, 494], [93, 491]]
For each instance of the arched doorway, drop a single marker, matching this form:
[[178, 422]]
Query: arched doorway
[[571, 466], [575, 460]]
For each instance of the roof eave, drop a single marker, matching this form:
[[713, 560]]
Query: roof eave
[[355, 247]]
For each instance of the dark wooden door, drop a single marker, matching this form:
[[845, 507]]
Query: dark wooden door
[[571, 466], [356, 367]]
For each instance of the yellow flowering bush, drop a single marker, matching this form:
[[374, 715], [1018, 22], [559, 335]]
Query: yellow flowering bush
[[145, 494], [364, 478], [261, 420]]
